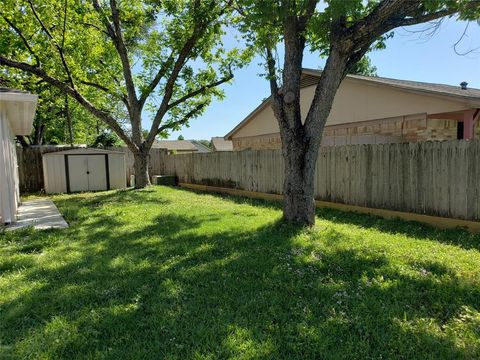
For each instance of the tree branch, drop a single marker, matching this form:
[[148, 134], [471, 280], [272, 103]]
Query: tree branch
[[106, 90], [104, 19], [24, 39], [272, 75], [100, 114], [59, 48], [200, 91], [122, 52], [309, 11], [153, 84], [184, 120], [197, 32], [426, 18]]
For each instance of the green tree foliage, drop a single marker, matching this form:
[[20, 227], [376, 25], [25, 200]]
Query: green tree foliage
[[58, 119], [106, 139], [364, 67], [124, 60]]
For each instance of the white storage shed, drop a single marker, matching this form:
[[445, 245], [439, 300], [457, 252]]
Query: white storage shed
[[17, 110], [87, 169]]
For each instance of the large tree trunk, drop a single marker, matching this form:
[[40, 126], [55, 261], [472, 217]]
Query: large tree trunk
[[140, 167], [298, 187]]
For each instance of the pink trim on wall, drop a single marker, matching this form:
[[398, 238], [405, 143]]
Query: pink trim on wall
[[469, 124]]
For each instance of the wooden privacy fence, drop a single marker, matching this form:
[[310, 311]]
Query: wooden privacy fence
[[435, 178], [30, 167]]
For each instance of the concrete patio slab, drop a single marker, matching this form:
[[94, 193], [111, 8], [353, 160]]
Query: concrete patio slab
[[41, 214]]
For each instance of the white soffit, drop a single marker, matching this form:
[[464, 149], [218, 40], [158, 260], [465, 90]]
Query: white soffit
[[19, 108]]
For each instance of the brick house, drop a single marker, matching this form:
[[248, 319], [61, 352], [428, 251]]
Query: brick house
[[373, 110]]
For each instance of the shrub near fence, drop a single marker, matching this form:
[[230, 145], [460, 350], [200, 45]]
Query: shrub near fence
[[435, 178]]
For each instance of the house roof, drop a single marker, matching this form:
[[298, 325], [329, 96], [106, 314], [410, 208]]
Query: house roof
[[20, 107], [220, 144], [311, 77], [181, 145], [200, 147], [435, 88]]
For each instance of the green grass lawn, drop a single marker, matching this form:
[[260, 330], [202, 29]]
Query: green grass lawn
[[168, 273]]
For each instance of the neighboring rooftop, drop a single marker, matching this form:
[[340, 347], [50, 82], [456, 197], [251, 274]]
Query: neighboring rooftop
[[181, 145], [220, 144], [201, 148]]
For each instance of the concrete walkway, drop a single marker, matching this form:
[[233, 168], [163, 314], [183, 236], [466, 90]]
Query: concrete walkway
[[41, 214]]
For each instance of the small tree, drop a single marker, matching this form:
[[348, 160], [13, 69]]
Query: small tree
[[343, 31], [119, 59], [106, 139]]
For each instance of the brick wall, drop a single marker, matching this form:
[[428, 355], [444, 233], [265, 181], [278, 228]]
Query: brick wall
[[402, 129], [261, 142]]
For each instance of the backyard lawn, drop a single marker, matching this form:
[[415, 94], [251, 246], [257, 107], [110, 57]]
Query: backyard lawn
[[168, 273]]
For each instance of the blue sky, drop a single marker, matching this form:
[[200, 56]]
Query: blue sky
[[409, 56]]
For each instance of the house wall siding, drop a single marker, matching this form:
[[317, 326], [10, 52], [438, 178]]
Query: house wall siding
[[402, 129], [9, 193], [358, 102]]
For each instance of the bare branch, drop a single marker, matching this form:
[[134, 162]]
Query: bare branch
[[464, 34]]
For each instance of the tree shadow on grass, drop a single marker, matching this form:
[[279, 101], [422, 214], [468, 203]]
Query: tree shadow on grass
[[458, 237], [167, 290], [78, 207]]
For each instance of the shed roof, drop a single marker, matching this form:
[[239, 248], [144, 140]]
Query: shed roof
[[84, 151]]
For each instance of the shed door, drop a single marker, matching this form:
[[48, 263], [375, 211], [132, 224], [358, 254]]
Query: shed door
[[77, 173], [97, 177], [87, 172]]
